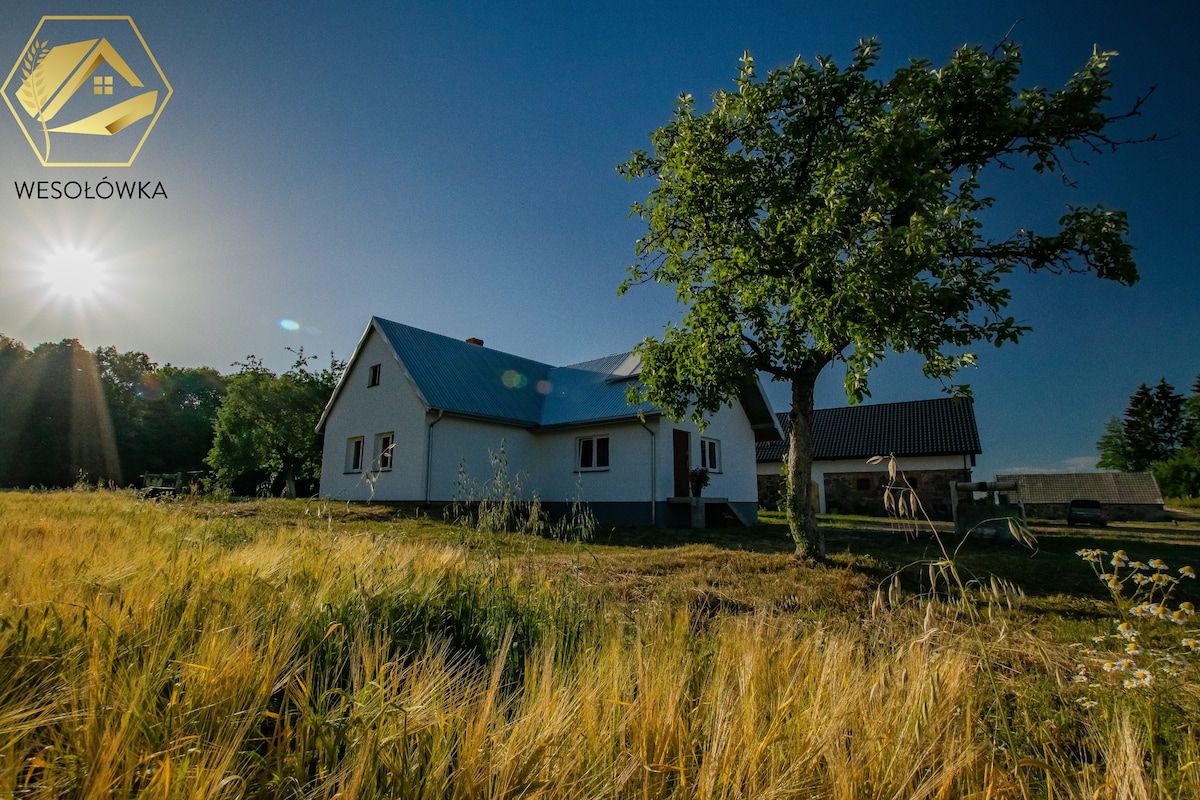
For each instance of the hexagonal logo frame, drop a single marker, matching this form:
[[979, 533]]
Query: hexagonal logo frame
[[86, 91]]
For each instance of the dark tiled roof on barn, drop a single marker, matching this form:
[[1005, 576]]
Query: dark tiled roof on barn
[[1110, 488], [938, 427]]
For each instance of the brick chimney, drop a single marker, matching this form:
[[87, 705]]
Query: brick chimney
[[476, 342]]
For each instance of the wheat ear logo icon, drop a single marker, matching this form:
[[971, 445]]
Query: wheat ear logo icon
[[94, 94], [33, 87]]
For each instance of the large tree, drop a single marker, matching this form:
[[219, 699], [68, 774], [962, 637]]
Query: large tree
[[266, 424], [822, 214], [1161, 433]]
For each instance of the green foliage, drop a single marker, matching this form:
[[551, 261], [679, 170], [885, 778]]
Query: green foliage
[[821, 214], [1160, 433], [266, 425], [105, 415]]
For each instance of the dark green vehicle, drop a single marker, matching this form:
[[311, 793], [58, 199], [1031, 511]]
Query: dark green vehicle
[[1086, 512]]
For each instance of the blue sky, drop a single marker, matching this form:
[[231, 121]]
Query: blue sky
[[452, 166]]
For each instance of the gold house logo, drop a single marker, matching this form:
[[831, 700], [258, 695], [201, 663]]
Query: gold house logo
[[86, 91]]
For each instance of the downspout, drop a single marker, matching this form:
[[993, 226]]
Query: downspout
[[653, 474], [429, 454]]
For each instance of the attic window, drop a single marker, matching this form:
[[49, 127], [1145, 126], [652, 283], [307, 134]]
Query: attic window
[[593, 453], [373, 375]]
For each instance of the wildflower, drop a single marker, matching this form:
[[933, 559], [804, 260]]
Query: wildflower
[[1119, 558], [1086, 702], [1091, 555], [1138, 565], [1143, 677], [1191, 644], [1161, 612], [1187, 608], [1098, 639], [1159, 579], [1187, 572], [1143, 610], [1114, 666], [1079, 678], [1132, 649], [1158, 563], [1127, 630], [1114, 584], [1140, 579]]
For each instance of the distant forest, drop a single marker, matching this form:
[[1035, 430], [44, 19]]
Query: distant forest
[[68, 414]]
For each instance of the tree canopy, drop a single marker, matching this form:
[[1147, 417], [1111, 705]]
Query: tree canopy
[[821, 214], [1160, 432], [102, 416], [266, 426]]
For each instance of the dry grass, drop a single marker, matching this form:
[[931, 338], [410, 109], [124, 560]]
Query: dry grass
[[296, 650]]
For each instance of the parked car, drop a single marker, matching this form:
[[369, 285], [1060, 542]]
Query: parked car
[[1086, 512]]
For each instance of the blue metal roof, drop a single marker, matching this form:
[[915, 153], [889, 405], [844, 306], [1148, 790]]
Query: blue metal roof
[[589, 392], [458, 377]]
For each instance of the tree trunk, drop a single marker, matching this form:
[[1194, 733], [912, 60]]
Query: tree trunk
[[802, 517]]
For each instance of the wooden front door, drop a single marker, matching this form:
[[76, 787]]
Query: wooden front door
[[681, 442]]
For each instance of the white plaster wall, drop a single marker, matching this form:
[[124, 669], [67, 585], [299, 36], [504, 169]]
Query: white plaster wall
[[365, 411], [737, 480], [470, 444], [627, 478]]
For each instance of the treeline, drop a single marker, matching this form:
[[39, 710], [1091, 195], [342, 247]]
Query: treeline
[[68, 414], [1159, 433]]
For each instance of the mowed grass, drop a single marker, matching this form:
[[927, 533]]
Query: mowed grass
[[307, 649]]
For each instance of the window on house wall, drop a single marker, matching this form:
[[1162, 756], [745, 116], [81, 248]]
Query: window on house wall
[[385, 446], [592, 452], [354, 454], [710, 454], [373, 375]]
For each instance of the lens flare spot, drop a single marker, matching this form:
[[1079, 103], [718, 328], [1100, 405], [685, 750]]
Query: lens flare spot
[[544, 387], [289, 324], [513, 379]]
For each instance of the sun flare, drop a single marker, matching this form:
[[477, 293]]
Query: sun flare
[[74, 274]]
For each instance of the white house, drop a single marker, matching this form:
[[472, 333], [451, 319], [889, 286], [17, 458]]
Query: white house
[[934, 441], [417, 414]]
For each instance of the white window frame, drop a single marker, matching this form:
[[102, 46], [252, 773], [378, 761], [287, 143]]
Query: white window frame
[[590, 445], [355, 450], [373, 372], [385, 451], [710, 454]]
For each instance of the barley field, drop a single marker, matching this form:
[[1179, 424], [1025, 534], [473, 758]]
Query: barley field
[[298, 649]]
